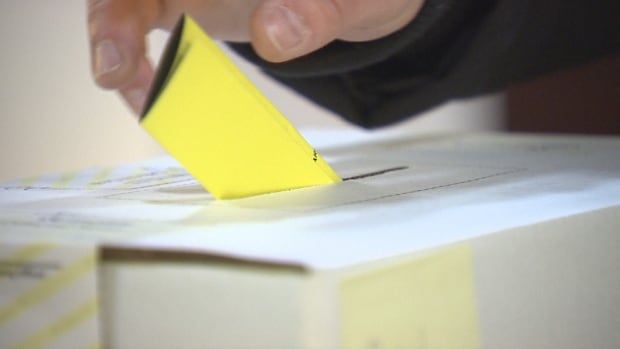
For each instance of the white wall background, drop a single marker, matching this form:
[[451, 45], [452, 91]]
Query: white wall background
[[53, 118]]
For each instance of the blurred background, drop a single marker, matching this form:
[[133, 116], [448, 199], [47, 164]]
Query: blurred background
[[53, 118]]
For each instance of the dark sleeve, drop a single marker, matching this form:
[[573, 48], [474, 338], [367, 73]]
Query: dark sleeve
[[453, 49]]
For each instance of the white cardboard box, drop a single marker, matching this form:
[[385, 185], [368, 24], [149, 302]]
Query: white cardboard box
[[478, 241]]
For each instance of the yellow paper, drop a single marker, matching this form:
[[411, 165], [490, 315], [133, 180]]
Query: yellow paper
[[424, 303], [207, 115]]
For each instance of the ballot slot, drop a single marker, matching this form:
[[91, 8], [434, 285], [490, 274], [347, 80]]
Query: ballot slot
[[375, 173]]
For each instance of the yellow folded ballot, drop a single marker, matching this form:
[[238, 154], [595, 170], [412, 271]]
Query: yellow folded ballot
[[208, 116]]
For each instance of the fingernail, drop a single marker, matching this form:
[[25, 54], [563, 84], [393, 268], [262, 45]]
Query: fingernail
[[136, 99], [285, 29], [107, 58]]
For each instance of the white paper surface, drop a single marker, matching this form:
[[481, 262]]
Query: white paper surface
[[434, 190]]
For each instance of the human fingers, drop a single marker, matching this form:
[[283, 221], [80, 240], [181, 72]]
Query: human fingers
[[285, 29], [135, 92], [117, 30]]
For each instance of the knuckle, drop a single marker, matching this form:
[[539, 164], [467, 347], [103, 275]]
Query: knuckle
[[96, 5], [97, 13]]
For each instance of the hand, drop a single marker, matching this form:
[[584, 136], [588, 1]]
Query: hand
[[279, 30]]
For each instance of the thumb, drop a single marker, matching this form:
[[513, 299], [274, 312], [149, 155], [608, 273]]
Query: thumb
[[285, 29]]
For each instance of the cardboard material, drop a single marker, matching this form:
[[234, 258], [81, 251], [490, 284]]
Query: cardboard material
[[533, 221]]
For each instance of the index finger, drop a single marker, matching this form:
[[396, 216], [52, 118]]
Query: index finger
[[117, 30]]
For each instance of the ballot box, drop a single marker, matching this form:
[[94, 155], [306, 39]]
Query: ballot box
[[435, 241]]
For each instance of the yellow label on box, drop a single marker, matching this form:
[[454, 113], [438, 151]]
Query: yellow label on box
[[424, 303], [213, 120]]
